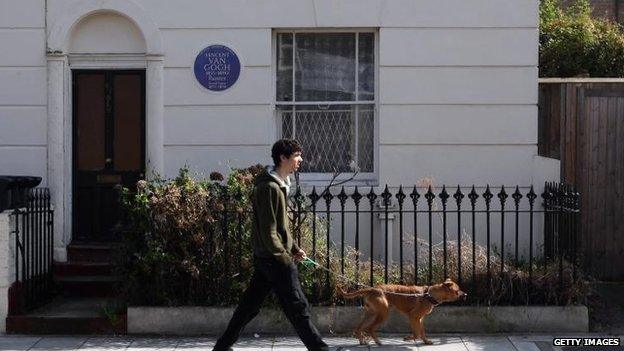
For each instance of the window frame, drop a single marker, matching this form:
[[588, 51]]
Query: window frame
[[322, 179]]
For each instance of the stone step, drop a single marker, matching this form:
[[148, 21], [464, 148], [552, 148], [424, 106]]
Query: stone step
[[82, 268], [89, 252], [63, 325], [71, 316], [87, 286]]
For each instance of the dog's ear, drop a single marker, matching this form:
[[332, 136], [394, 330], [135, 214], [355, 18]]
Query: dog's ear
[[448, 283]]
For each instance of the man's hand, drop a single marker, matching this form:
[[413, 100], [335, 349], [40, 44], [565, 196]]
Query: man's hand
[[299, 256]]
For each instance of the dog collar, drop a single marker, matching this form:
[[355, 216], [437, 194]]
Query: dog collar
[[430, 298]]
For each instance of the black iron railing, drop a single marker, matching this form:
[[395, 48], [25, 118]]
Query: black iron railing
[[561, 225], [433, 234], [33, 230]]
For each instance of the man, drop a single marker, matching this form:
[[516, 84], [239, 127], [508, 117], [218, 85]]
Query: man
[[274, 253]]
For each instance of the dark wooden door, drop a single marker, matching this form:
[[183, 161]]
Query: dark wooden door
[[108, 148]]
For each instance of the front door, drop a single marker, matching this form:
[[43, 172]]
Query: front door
[[108, 148]]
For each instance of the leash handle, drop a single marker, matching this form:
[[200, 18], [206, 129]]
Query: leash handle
[[308, 262]]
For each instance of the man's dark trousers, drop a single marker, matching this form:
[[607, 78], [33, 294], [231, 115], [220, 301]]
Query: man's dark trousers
[[271, 274]]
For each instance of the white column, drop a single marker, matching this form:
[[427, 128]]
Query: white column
[[154, 119], [56, 151]]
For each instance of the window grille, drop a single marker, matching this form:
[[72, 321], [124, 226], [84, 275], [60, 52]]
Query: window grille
[[326, 98]]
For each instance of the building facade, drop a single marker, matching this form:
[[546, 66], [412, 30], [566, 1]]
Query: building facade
[[98, 92]]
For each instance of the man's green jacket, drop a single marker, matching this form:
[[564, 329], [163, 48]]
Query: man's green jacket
[[270, 236]]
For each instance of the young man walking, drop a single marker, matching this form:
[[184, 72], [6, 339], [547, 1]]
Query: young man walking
[[275, 253]]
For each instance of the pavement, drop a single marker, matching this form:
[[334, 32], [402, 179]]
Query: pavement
[[391, 342]]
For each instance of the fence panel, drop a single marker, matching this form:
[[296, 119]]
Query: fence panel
[[33, 253], [473, 236], [589, 116]]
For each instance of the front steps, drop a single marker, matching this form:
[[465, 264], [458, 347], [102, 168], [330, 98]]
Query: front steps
[[88, 271], [71, 315], [101, 253], [87, 285], [86, 302]]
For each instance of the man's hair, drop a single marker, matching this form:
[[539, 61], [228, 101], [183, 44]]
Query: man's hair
[[285, 147]]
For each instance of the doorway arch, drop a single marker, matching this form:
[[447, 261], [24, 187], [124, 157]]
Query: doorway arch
[[62, 39]]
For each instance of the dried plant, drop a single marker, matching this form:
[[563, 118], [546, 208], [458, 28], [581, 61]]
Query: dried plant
[[186, 242]]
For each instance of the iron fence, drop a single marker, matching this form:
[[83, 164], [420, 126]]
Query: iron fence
[[33, 230], [433, 233]]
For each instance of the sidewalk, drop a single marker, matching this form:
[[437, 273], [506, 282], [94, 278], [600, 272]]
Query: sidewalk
[[392, 342]]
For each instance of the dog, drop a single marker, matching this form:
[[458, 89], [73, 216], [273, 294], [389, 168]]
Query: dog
[[414, 301]]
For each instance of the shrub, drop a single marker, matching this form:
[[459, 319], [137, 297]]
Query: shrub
[[186, 243], [573, 43]]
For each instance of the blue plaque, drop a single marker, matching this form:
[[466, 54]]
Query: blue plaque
[[217, 67]]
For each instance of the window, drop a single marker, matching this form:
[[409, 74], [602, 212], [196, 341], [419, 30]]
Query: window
[[326, 98]]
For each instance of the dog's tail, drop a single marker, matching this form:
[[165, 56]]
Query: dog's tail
[[357, 293]]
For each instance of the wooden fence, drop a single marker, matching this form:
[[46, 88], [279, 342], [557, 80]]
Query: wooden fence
[[581, 122]]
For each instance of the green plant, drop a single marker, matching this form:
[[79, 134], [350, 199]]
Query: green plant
[[111, 311], [574, 43]]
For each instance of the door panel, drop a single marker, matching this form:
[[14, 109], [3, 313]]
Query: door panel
[[127, 110], [91, 118], [109, 139]]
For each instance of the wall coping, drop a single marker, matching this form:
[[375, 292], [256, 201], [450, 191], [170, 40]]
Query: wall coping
[[192, 320]]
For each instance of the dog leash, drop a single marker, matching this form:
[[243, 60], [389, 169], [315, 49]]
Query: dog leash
[[310, 262]]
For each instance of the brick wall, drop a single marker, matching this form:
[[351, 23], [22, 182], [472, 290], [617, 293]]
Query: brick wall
[[609, 9]]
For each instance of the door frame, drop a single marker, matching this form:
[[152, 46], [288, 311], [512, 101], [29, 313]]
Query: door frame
[[59, 62], [59, 126], [74, 169]]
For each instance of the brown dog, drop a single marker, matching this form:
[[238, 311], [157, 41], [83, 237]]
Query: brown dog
[[414, 301]]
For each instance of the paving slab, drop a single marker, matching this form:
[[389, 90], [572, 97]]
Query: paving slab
[[59, 343], [528, 342], [530, 337], [149, 344], [488, 343], [453, 342], [389, 342], [189, 343], [11, 342], [525, 346], [106, 343]]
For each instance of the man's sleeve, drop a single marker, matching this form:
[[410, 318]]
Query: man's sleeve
[[295, 248], [266, 206]]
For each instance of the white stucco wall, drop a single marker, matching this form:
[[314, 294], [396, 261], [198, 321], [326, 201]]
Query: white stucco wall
[[108, 34], [457, 82], [23, 88], [457, 94]]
